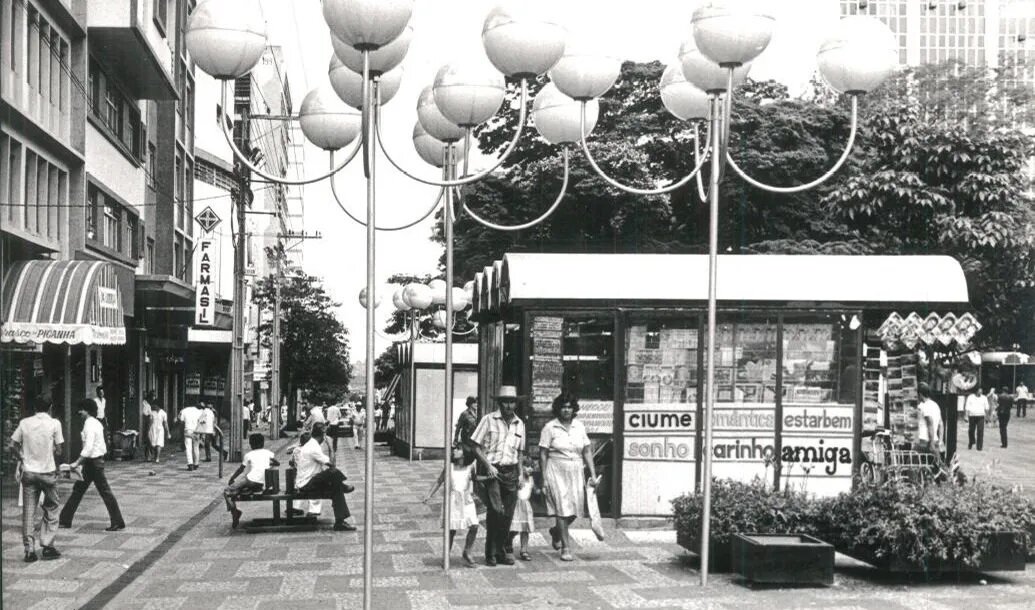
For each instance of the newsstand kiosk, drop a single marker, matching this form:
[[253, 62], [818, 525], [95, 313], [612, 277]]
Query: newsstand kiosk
[[798, 368]]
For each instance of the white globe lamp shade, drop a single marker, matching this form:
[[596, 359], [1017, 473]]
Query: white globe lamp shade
[[349, 85], [439, 319], [417, 296], [438, 291], [367, 24], [557, 117], [226, 38], [520, 40], [682, 99], [732, 32], [585, 73], [326, 121], [704, 73], [382, 60], [363, 298], [398, 302], [460, 300], [468, 93], [433, 121], [859, 56], [430, 149], [469, 288]]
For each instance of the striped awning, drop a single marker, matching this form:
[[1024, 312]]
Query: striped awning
[[62, 302]]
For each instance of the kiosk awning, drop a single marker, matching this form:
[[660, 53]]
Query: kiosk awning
[[741, 278], [62, 302]]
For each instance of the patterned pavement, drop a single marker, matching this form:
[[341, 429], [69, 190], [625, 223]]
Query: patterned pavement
[[212, 566]]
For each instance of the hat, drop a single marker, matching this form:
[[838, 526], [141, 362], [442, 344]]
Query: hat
[[507, 392]]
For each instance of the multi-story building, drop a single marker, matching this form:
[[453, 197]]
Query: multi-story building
[[94, 150]]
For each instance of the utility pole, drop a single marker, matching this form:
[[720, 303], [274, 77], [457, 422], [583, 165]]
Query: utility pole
[[275, 356], [243, 199]]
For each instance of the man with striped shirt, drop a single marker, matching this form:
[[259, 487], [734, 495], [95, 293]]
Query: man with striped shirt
[[499, 444]]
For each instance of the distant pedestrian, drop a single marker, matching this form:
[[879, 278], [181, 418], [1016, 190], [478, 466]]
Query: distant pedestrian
[[1022, 397], [253, 467], [465, 426], [145, 421], [92, 461], [499, 444], [158, 431], [563, 449], [36, 441], [1004, 409], [102, 405], [191, 416], [315, 417], [463, 513], [335, 426], [246, 419], [993, 407], [359, 424], [976, 406], [207, 429]]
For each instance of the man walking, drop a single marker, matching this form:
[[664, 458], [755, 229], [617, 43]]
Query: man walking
[[334, 425], [191, 416], [499, 443], [1004, 411], [976, 406], [317, 477], [207, 429], [92, 461], [1021, 398], [36, 440], [359, 424]]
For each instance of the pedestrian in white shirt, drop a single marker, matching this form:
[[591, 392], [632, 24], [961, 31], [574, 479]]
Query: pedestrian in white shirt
[[253, 467], [102, 413], [207, 429], [36, 440], [359, 422], [334, 426], [145, 424], [191, 417], [317, 477], [976, 406], [1022, 399], [315, 417], [92, 461]]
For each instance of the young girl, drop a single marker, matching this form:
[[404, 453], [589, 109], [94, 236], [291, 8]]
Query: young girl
[[523, 522], [463, 514]]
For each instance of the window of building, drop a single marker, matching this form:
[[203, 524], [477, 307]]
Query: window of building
[[178, 268], [152, 166], [32, 43], [112, 227], [117, 113], [161, 14], [149, 259], [111, 224]]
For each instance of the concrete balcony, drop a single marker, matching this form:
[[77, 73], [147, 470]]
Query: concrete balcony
[[126, 36]]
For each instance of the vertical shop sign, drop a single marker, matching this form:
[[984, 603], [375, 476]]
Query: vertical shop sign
[[204, 303]]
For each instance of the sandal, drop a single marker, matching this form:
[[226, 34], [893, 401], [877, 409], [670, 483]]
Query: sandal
[[556, 538], [566, 555], [524, 556]]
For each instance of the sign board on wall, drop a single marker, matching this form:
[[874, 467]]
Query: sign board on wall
[[659, 451], [193, 383], [204, 291]]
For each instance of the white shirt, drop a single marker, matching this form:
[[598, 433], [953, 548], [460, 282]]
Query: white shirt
[[359, 418], [246, 413], [38, 435], [309, 461], [256, 462], [929, 409], [976, 406], [190, 417], [93, 439], [333, 414], [316, 415], [207, 423], [1022, 392], [100, 407]]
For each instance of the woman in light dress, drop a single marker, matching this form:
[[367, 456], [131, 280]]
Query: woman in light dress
[[564, 448], [159, 430]]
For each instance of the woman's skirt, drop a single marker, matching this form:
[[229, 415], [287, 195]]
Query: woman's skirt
[[567, 497]]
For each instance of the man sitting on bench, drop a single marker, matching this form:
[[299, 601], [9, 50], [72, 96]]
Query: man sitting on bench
[[253, 467], [318, 478]]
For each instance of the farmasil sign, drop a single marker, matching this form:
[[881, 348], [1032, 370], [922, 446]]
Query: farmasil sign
[[204, 300]]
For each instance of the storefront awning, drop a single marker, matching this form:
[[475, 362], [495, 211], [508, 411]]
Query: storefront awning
[[878, 280], [62, 302]]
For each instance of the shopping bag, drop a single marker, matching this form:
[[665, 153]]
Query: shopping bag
[[593, 506]]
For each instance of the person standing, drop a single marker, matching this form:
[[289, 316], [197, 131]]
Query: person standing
[[1021, 398], [145, 421], [92, 461], [159, 430], [318, 477], [499, 443], [929, 427], [102, 404], [976, 406], [207, 429], [465, 426], [563, 449], [1004, 411], [246, 418], [36, 441], [359, 424], [191, 417], [334, 426]]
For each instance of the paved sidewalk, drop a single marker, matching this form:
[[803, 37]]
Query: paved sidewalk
[[155, 499], [1007, 467]]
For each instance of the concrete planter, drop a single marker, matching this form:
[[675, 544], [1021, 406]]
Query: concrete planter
[[782, 559], [1005, 553], [718, 554]]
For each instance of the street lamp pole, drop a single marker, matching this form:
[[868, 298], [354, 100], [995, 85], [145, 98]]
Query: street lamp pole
[[275, 352]]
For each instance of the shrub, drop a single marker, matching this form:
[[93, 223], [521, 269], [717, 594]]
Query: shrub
[[740, 508]]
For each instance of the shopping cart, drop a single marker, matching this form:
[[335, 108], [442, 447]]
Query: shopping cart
[[883, 461]]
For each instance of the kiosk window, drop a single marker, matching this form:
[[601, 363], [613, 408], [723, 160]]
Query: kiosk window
[[820, 362], [661, 362]]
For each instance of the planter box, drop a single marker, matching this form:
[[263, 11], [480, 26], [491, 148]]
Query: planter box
[[782, 559], [1005, 553], [718, 554]]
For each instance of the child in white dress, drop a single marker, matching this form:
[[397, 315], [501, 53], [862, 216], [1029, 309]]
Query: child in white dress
[[524, 521], [463, 514]]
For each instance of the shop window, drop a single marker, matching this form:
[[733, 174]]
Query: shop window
[[820, 362], [115, 112], [661, 362]]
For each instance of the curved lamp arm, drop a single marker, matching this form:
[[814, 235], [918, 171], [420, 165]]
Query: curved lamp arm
[[466, 179], [545, 215], [275, 179], [817, 181], [631, 189], [337, 200], [698, 152]]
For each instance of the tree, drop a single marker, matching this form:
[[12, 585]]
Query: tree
[[314, 353]]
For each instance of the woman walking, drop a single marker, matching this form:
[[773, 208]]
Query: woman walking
[[563, 449], [159, 430]]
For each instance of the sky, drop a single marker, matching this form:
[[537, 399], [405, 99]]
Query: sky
[[444, 31]]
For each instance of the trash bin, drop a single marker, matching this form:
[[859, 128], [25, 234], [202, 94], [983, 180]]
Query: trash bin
[[125, 444]]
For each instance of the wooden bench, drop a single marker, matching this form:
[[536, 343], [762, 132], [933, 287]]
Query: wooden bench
[[272, 493]]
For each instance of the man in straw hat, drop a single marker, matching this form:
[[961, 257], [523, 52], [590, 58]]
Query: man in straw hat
[[499, 445]]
